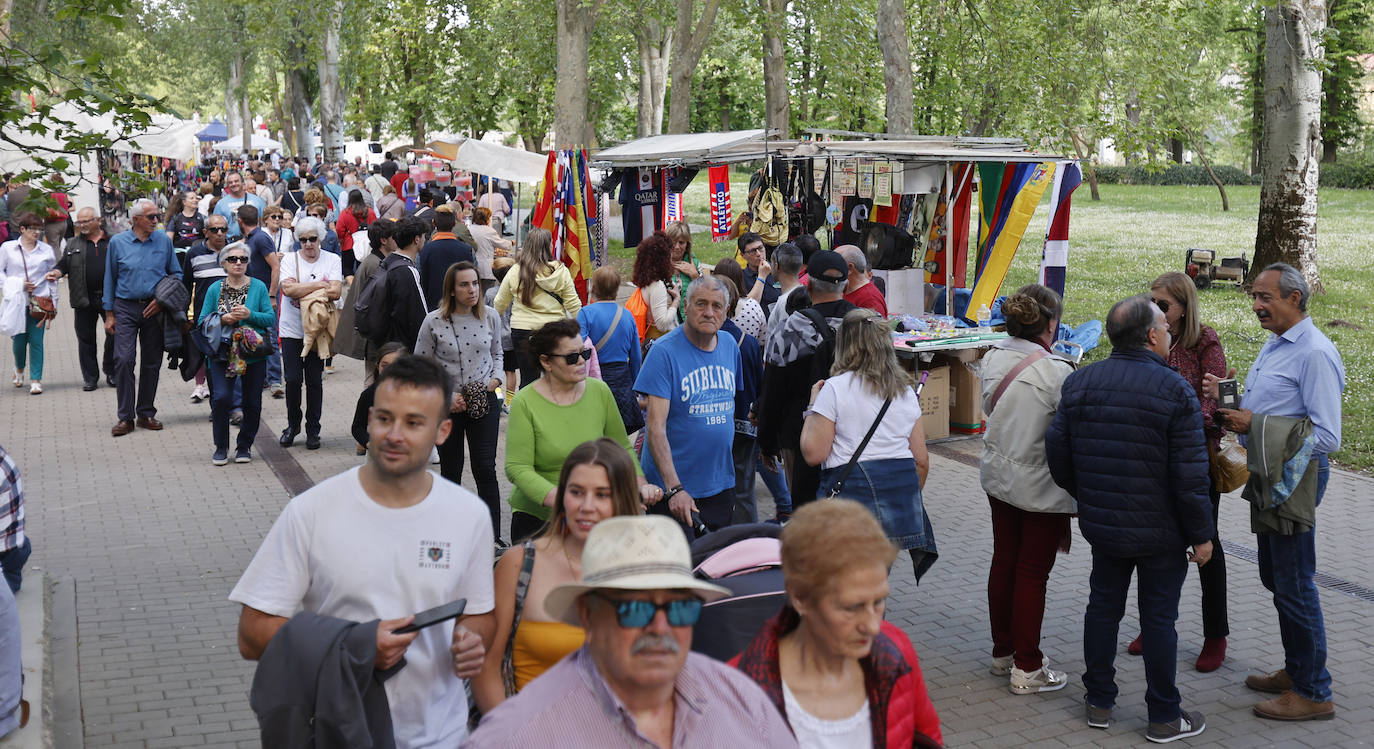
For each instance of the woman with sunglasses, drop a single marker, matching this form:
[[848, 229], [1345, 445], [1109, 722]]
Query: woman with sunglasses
[[596, 481], [24, 266], [241, 301], [464, 335], [1197, 351], [837, 671], [560, 411], [308, 277]]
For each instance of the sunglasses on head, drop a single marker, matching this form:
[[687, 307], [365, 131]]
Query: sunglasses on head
[[236, 259], [636, 614], [585, 354], [1163, 305]]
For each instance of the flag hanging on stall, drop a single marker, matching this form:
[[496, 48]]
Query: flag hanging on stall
[[672, 201], [1022, 186], [936, 260], [720, 201], [561, 209], [1054, 259]]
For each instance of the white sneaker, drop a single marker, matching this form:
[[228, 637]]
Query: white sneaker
[[36, 388], [199, 393], [1002, 666], [1043, 679], [18, 379]]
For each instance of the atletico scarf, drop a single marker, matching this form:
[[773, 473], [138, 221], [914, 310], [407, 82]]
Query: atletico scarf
[[672, 201], [1022, 186], [720, 202], [1054, 260]]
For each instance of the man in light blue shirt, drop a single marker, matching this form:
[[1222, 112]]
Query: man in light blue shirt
[[1298, 373], [236, 195], [137, 259]]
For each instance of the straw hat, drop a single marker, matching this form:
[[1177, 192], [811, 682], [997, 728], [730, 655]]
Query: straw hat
[[647, 552]]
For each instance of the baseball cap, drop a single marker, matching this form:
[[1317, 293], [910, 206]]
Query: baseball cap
[[828, 265]]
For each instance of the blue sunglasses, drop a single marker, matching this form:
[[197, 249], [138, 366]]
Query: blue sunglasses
[[638, 614]]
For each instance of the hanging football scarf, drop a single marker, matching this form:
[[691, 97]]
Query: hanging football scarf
[[672, 201], [1054, 259], [1013, 215], [720, 201]]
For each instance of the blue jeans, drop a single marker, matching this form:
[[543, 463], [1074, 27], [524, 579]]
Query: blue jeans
[[1159, 580], [12, 562], [891, 489], [221, 394], [274, 370], [776, 483], [1286, 566]]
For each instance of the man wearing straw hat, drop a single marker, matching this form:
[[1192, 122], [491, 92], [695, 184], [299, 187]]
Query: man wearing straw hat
[[634, 682]]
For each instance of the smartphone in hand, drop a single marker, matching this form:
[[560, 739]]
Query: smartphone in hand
[[434, 616], [1228, 394]]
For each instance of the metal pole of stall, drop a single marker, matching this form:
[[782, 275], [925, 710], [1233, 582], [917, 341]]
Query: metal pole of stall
[[519, 193], [949, 240]]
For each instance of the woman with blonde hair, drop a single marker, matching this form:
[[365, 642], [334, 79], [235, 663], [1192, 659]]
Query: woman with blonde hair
[[597, 481], [1030, 513], [390, 206], [538, 290], [1197, 351], [863, 427], [837, 671], [685, 266]]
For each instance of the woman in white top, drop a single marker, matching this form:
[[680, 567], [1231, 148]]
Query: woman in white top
[[655, 277], [488, 240], [866, 387], [304, 274], [24, 266]]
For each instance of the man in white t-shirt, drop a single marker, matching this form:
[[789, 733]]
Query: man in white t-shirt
[[385, 541], [306, 275]]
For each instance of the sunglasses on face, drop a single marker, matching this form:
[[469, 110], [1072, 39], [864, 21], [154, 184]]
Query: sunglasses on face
[[638, 614], [585, 355], [217, 229], [308, 239], [1162, 304], [236, 259]]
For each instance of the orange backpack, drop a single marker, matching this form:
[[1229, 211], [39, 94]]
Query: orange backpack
[[639, 310]]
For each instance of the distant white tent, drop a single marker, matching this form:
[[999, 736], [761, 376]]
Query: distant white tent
[[501, 162], [259, 143]]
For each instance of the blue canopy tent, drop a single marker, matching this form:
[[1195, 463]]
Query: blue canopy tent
[[213, 133]]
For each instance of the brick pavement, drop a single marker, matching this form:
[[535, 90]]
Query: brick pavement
[[154, 538]]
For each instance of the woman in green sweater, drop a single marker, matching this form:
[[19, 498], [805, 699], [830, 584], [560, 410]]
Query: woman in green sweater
[[561, 410]]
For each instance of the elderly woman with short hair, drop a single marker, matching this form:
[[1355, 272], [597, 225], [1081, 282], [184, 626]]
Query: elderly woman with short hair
[[308, 275], [840, 674]]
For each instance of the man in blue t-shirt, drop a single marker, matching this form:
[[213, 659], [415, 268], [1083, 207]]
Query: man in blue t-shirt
[[690, 377], [236, 196]]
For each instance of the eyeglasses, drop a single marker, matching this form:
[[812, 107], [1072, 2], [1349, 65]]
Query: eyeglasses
[[308, 239], [217, 229], [31, 226], [636, 614], [585, 354], [236, 259], [1163, 305], [753, 250]]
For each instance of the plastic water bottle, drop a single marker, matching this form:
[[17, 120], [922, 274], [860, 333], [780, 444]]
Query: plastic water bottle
[[984, 319]]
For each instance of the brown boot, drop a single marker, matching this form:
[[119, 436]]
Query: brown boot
[[1275, 683], [1292, 706]]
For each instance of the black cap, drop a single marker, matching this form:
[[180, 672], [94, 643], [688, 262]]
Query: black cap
[[828, 265]]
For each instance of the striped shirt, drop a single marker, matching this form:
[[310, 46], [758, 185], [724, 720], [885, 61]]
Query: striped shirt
[[571, 705], [11, 504]]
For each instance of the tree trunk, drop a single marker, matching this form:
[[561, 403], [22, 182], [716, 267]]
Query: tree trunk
[[655, 40], [724, 103], [285, 134], [571, 128], [689, 43], [1291, 146], [331, 93], [901, 109], [776, 107], [1175, 150], [1257, 96], [1197, 148], [1087, 163], [238, 96], [232, 123], [6, 6]]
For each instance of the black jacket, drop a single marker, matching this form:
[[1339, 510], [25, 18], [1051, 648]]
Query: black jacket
[[1127, 443], [405, 299], [316, 686], [434, 261]]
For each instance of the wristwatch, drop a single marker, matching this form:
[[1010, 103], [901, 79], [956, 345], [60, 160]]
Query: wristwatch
[[669, 494]]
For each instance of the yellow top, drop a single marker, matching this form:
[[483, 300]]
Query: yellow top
[[539, 645]]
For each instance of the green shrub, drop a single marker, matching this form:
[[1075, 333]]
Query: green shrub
[[1359, 176], [1356, 176]]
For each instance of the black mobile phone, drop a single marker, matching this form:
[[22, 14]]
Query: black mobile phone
[[434, 616], [1228, 394]]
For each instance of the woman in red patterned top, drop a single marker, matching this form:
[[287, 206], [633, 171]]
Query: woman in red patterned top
[[1197, 351]]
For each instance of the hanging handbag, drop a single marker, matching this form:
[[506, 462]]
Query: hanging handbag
[[844, 473], [1229, 465], [41, 308], [478, 398]]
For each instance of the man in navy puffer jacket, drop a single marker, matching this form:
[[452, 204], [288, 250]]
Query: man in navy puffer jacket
[[1127, 443]]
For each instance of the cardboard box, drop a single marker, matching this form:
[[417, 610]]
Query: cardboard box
[[965, 400], [935, 403]]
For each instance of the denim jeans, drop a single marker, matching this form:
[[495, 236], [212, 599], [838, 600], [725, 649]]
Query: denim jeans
[[1159, 581], [891, 490], [746, 510], [221, 395], [776, 481], [481, 436], [12, 562], [1287, 565]]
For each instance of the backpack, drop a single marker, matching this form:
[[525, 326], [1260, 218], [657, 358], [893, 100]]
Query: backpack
[[770, 217], [370, 312], [639, 310]]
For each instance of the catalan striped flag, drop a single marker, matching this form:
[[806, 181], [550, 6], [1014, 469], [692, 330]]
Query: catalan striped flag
[[562, 210], [1054, 259], [1020, 191]]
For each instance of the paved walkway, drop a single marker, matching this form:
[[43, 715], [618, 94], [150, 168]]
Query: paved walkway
[[153, 537]]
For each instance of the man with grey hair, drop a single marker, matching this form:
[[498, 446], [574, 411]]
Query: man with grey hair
[[787, 268], [1298, 374], [859, 288], [690, 377], [136, 261], [799, 353], [83, 263]]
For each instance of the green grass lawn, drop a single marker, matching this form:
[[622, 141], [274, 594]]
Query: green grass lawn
[[1118, 245]]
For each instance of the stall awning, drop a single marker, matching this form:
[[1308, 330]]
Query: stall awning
[[213, 133], [928, 150], [692, 148], [501, 162], [259, 143]]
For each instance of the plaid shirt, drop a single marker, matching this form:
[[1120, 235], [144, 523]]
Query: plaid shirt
[[11, 503]]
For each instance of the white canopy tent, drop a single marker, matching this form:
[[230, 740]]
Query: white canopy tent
[[692, 148], [501, 162], [235, 143]]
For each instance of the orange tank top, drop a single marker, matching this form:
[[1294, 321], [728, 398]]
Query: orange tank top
[[539, 645]]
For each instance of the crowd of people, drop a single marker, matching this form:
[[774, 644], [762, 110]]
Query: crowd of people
[[634, 428]]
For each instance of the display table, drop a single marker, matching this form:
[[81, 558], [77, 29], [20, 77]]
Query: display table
[[908, 347]]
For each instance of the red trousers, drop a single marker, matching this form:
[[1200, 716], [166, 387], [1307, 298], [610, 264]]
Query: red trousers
[[1023, 548]]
